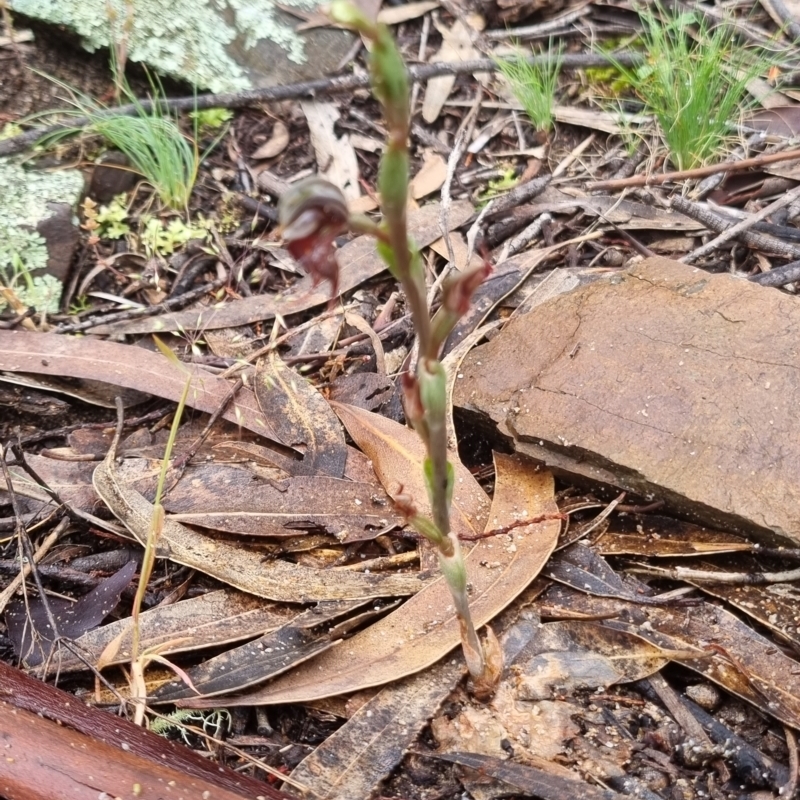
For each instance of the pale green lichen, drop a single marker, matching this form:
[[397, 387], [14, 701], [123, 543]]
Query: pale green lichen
[[23, 205], [185, 38]]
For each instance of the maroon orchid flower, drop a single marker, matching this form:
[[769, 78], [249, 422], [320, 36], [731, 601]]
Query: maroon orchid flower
[[312, 213]]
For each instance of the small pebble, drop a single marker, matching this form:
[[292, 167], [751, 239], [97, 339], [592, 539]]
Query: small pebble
[[705, 695]]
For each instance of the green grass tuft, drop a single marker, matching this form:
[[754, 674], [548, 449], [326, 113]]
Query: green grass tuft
[[534, 85], [694, 82]]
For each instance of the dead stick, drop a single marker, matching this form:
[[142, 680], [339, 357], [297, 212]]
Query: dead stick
[[698, 172], [293, 91], [107, 739], [718, 224]]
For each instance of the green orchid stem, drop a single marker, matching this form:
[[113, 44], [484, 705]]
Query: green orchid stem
[[429, 389]]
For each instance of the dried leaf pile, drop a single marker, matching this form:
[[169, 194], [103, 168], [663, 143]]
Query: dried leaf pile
[[622, 428]]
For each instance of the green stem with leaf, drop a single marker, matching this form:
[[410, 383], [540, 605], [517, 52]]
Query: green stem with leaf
[[313, 213]]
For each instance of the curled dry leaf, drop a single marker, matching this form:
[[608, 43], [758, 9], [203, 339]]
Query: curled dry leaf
[[276, 143], [303, 417], [425, 628], [238, 567]]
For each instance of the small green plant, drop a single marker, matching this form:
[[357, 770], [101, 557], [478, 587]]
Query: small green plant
[[158, 150], [694, 82], [211, 119], [534, 84], [20, 290], [111, 219], [153, 142], [215, 723], [313, 213], [163, 238]]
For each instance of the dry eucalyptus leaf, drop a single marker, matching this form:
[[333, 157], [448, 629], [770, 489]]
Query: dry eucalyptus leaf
[[425, 628], [397, 454], [29, 623], [456, 46], [299, 639], [730, 652], [275, 145], [210, 620], [336, 159], [236, 565], [431, 176], [128, 366], [570, 655], [235, 500], [303, 417]]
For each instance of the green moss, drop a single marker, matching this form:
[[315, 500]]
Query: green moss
[[23, 204], [186, 38]]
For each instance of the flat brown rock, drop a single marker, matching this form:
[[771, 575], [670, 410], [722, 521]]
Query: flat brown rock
[[663, 380]]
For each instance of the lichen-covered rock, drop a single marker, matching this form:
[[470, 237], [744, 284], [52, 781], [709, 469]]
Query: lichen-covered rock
[[38, 229], [220, 46]]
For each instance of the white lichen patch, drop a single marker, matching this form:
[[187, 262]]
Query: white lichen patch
[[186, 38], [23, 205]]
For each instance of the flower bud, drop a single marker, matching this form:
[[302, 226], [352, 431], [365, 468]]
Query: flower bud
[[457, 292], [312, 213]]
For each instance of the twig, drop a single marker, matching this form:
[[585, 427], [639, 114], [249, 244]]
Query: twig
[[549, 28], [716, 223], [138, 313], [519, 195], [790, 787], [782, 17], [741, 227], [685, 174], [780, 276], [709, 576], [293, 91]]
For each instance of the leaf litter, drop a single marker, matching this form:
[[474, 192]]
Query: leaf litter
[[305, 487]]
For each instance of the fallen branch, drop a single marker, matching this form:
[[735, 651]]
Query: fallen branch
[[293, 91], [57, 747]]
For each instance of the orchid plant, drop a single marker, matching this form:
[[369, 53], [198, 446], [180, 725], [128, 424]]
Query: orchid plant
[[313, 213]]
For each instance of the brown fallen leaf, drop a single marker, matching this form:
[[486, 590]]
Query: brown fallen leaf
[[397, 454], [663, 537], [237, 566], [131, 367], [580, 567], [734, 656], [300, 638], [570, 655], [235, 500], [773, 605], [28, 621], [358, 261], [211, 620], [301, 417], [353, 760], [532, 780], [425, 628], [275, 145]]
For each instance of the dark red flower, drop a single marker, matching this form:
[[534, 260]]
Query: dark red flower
[[312, 213]]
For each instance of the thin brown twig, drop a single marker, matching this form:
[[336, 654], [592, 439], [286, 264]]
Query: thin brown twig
[[697, 172]]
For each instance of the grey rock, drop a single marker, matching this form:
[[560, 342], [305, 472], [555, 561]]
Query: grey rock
[[220, 46]]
